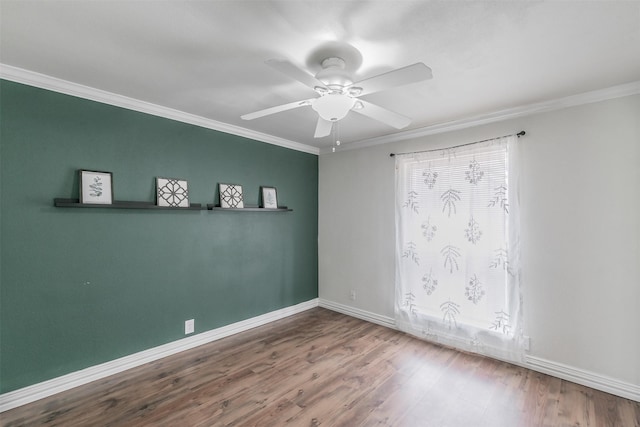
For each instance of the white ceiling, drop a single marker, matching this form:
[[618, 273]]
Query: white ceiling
[[206, 58]]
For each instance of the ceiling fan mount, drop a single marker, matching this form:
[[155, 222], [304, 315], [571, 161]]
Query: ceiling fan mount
[[338, 94]]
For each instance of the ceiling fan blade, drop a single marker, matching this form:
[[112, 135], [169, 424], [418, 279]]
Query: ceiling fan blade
[[383, 115], [276, 109], [402, 76], [291, 70], [323, 128]]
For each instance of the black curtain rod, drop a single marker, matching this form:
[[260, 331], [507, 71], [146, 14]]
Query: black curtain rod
[[519, 134]]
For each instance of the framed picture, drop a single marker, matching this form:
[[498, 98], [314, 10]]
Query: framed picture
[[231, 196], [172, 192], [269, 197], [96, 187]]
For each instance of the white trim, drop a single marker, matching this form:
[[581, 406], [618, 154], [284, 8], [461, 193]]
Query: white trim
[[555, 369], [389, 322], [43, 81], [48, 388], [619, 91], [586, 378]]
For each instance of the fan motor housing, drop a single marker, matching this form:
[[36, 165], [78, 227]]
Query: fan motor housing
[[333, 74]]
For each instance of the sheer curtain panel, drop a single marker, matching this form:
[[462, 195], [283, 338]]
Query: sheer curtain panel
[[458, 247]]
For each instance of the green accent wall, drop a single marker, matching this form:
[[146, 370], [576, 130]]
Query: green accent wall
[[80, 287]]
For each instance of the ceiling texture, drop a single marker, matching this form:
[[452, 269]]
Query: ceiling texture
[[207, 58]]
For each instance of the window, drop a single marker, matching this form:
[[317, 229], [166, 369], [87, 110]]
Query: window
[[457, 257]]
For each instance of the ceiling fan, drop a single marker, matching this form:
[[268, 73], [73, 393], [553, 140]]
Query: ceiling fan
[[338, 94]]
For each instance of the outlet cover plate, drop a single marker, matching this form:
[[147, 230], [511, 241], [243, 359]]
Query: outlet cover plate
[[189, 326]]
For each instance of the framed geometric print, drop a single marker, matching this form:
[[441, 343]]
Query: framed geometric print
[[172, 192], [231, 196], [96, 187]]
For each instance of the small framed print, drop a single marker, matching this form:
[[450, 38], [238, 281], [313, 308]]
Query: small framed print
[[231, 196], [96, 187], [269, 197], [172, 192]]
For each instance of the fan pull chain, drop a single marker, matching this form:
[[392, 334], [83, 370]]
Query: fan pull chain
[[336, 137]]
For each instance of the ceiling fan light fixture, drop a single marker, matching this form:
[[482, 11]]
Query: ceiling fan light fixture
[[333, 106], [338, 94]]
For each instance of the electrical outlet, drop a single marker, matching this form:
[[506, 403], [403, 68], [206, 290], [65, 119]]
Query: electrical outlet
[[352, 295], [189, 326], [527, 343]]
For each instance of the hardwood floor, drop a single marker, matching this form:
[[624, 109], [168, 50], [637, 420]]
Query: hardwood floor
[[323, 368]]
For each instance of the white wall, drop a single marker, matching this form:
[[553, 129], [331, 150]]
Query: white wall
[[580, 203]]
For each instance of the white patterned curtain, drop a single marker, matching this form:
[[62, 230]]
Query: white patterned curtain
[[457, 247]]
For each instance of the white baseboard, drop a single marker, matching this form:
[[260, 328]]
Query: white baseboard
[[389, 322], [555, 369], [48, 388], [586, 378]]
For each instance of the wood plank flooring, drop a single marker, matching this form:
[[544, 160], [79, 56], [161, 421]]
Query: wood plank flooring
[[321, 368]]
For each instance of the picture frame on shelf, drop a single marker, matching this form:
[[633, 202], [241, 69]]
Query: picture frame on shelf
[[96, 187], [268, 197], [231, 196], [172, 192]]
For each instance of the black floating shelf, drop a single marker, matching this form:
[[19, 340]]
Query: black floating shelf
[[249, 209], [121, 204]]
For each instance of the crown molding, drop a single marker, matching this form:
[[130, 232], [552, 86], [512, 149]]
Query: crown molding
[[19, 75], [613, 92], [43, 81]]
